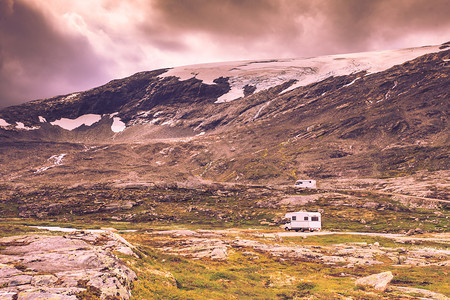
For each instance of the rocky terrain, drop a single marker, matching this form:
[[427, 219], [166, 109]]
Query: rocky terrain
[[287, 264], [199, 162], [72, 266], [254, 263], [217, 245]]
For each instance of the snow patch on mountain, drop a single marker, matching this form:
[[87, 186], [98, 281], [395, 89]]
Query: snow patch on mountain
[[233, 94], [349, 84], [55, 160], [3, 123], [70, 124], [265, 74], [258, 113], [20, 125], [117, 125], [42, 119]]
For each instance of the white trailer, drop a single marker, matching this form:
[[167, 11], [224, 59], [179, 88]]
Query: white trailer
[[305, 184], [303, 221]]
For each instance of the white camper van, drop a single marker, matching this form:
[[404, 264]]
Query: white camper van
[[311, 184], [303, 220]]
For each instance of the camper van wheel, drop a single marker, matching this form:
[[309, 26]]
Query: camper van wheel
[[286, 228], [296, 230]]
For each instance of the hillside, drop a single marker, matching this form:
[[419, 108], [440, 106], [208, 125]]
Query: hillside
[[381, 114]]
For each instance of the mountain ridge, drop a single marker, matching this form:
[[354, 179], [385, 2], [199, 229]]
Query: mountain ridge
[[111, 102], [387, 123]]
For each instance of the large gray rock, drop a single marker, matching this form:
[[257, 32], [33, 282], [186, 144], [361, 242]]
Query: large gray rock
[[54, 267], [377, 281]]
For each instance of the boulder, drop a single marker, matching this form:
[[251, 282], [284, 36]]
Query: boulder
[[377, 281]]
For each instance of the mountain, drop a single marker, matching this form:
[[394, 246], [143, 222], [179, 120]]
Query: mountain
[[364, 115]]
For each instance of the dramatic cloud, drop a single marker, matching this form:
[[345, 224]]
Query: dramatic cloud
[[60, 46], [38, 61], [303, 27]]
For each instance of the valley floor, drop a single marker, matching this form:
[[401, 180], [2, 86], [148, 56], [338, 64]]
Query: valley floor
[[233, 263], [227, 242]]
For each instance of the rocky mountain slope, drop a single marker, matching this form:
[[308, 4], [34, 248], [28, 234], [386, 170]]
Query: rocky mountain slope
[[380, 114]]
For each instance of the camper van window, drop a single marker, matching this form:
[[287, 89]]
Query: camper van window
[[306, 219], [294, 218], [314, 218]]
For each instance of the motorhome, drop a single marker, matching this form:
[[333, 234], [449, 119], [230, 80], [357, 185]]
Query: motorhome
[[305, 184], [303, 221]]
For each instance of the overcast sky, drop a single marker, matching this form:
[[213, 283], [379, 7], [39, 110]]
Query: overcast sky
[[55, 47]]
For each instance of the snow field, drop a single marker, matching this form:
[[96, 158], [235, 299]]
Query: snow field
[[88, 120], [265, 74], [71, 124]]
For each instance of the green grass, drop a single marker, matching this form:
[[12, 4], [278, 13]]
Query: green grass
[[7, 229], [332, 239], [236, 278], [434, 278], [243, 276]]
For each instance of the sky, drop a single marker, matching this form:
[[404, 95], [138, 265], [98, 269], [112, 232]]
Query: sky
[[55, 47]]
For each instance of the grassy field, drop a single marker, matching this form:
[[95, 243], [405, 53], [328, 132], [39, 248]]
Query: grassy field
[[253, 213], [249, 274]]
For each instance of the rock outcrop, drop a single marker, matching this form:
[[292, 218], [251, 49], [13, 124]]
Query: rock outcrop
[[416, 291], [377, 281], [63, 267], [215, 246]]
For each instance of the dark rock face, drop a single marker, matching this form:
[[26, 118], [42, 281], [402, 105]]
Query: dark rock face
[[142, 91]]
